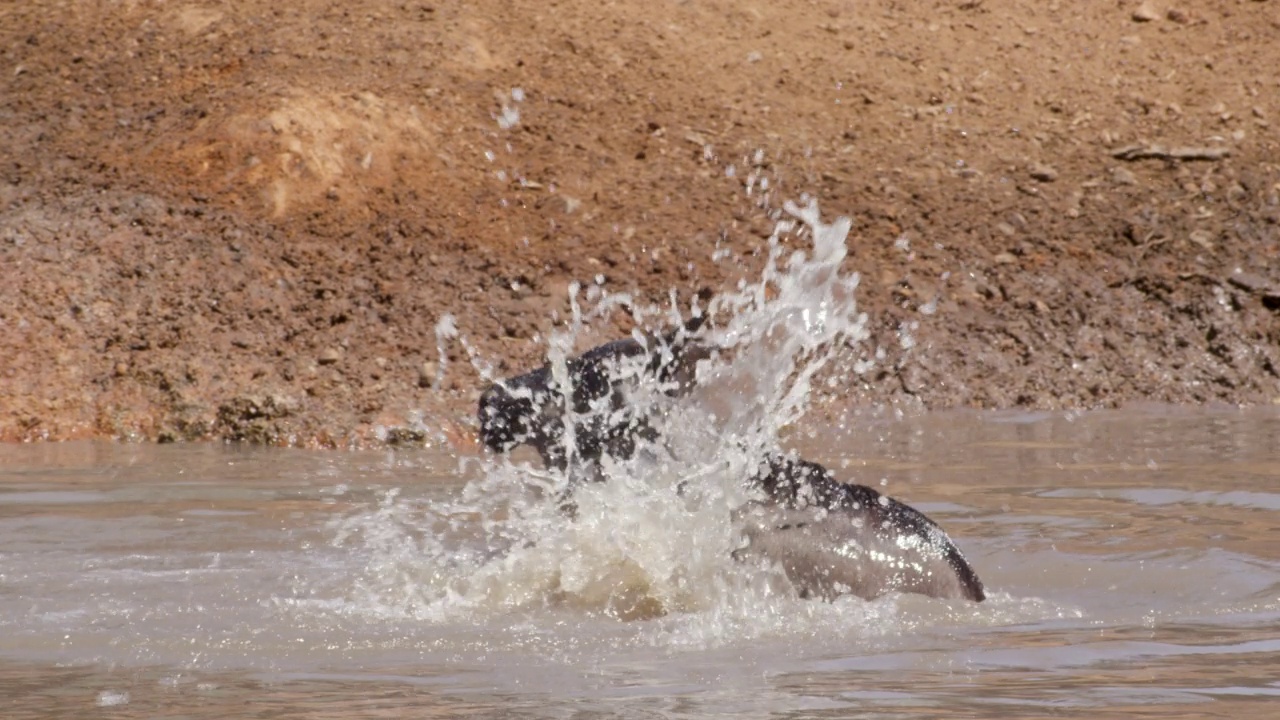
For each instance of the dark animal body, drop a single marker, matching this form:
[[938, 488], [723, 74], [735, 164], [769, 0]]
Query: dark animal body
[[830, 537], [833, 538], [532, 408]]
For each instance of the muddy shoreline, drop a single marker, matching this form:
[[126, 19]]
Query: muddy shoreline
[[237, 221]]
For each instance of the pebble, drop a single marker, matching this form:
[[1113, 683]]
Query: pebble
[[1124, 176], [1251, 282], [1043, 172], [329, 356], [1145, 13], [427, 374], [1004, 258], [1203, 238]]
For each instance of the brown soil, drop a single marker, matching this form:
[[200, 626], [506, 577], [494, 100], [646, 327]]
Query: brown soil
[[244, 219]]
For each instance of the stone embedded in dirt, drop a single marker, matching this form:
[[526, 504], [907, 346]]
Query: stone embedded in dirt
[[427, 374], [1203, 238], [1123, 176], [1043, 173], [400, 435], [1004, 258], [256, 419], [329, 356], [1145, 12], [1253, 283]]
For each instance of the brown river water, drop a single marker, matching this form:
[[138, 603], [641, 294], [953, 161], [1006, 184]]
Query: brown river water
[[1131, 558]]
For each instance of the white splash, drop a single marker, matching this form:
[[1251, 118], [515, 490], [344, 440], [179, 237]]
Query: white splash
[[654, 541]]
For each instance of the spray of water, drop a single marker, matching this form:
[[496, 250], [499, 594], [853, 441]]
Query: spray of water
[[655, 540]]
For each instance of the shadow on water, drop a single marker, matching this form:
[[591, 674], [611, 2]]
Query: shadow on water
[[1130, 555]]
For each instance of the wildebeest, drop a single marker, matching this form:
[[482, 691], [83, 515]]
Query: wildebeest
[[829, 537], [833, 538], [533, 408]]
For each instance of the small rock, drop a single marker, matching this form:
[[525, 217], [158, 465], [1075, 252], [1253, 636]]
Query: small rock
[[1043, 172], [1123, 176], [1178, 16], [1203, 238], [1145, 12], [1006, 229], [329, 356], [427, 374], [1004, 258], [405, 436], [1252, 283]]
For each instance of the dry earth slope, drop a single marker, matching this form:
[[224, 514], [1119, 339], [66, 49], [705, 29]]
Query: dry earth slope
[[246, 219]]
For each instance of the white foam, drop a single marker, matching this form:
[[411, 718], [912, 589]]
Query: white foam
[[654, 541]]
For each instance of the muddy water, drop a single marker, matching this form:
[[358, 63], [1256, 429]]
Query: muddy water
[[1132, 560]]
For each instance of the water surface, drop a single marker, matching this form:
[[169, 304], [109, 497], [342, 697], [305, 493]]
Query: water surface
[[1131, 558]]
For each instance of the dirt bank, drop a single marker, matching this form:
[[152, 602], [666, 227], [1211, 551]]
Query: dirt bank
[[242, 220]]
